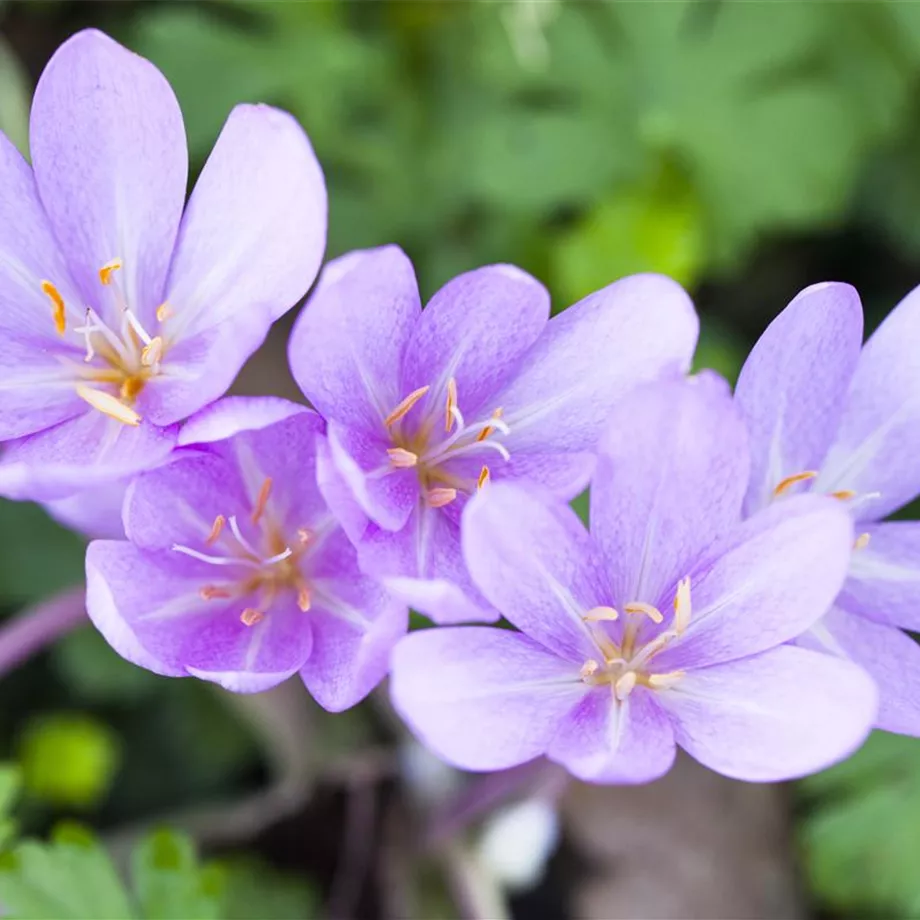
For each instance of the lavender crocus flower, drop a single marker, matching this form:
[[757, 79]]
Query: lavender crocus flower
[[235, 571], [425, 406], [664, 626], [120, 315], [826, 416]]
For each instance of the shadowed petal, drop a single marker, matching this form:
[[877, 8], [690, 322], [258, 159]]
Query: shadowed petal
[[482, 698], [95, 512]]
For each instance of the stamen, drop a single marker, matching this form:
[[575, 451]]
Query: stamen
[[405, 406], [787, 483], [210, 592], [844, 495], [683, 608], [664, 681], [87, 330], [130, 388], [57, 306], [214, 560], [497, 414], [483, 477], [262, 500], [250, 616], [451, 404], [402, 459], [653, 613], [107, 270], [303, 598], [440, 497], [216, 529], [279, 557], [624, 685], [135, 324], [164, 312], [589, 668], [151, 354], [235, 527], [303, 536], [601, 614], [109, 405], [862, 541]]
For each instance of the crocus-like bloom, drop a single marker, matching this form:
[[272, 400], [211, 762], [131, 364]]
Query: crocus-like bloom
[[235, 570], [120, 315], [826, 416], [425, 406], [664, 626]]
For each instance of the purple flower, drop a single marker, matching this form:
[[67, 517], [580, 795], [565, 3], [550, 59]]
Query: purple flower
[[664, 626], [120, 315], [235, 570], [423, 407], [826, 416]]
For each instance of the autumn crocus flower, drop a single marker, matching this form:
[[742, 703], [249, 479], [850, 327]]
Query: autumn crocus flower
[[235, 571], [664, 626], [120, 315], [424, 407], [829, 416]]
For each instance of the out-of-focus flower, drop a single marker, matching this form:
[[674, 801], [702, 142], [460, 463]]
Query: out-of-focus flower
[[235, 571], [425, 407], [665, 626], [827, 416], [120, 315]]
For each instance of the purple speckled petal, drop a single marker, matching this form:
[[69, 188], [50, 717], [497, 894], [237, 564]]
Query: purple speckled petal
[[793, 386], [233, 414], [772, 717], [482, 698]]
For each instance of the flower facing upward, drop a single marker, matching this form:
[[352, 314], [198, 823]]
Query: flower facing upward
[[236, 571], [664, 626], [120, 315], [827, 416], [425, 407]]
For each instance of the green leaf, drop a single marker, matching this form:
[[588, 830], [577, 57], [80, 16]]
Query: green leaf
[[71, 878], [15, 98], [255, 891]]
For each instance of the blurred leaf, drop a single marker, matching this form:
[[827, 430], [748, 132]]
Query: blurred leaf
[[719, 349], [71, 878], [15, 99], [861, 837], [68, 759], [255, 891]]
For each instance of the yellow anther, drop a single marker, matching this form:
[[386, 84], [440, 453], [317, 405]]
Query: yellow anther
[[653, 613], [210, 592], [151, 354], [216, 529], [862, 541], [683, 608], [250, 616], [451, 404], [303, 536], [109, 405], [130, 388], [601, 614], [664, 681], [109, 269], [262, 500], [57, 306], [402, 459], [588, 669], [405, 406], [843, 494], [624, 685], [483, 477], [489, 429], [164, 312], [440, 497], [787, 483], [303, 598]]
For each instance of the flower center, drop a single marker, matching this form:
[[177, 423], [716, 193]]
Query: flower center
[[120, 359], [264, 570], [436, 439], [626, 664]]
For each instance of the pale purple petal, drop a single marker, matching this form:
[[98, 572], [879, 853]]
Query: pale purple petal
[[792, 388], [776, 716], [95, 512], [347, 346], [775, 576], [562, 476], [475, 330], [879, 438], [589, 356], [884, 577], [338, 496], [671, 474], [108, 146], [482, 698], [233, 414], [606, 741], [538, 565]]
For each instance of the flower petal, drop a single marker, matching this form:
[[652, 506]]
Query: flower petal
[[793, 386], [482, 698], [879, 437], [538, 565], [95, 512], [606, 741], [108, 146], [475, 330], [347, 345], [768, 582], [670, 478], [233, 414], [589, 356]]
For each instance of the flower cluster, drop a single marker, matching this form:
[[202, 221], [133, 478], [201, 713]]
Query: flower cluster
[[738, 592]]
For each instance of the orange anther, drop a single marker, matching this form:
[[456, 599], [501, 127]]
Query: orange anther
[[216, 529], [303, 598], [402, 459], [210, 592], [489, 429], [405, 406], [451, 404], [262, 500], [109, 269], [440, 497], [57, 306], [250, 616], [483, 477], [787, 483], [109, 405]]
